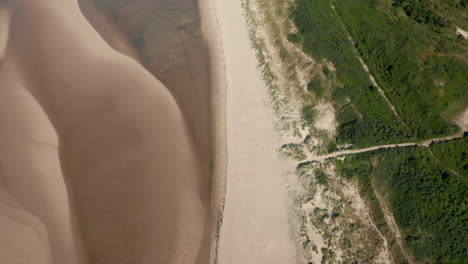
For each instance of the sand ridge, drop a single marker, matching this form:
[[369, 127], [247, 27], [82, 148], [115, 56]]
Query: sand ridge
[[95, 146], [5, 20]]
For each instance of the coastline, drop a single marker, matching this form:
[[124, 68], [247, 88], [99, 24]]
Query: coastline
[[213, 37], [94, 147], [251, 224]]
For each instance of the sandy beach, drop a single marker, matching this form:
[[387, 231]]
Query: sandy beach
[[136, 132], [255, 225]]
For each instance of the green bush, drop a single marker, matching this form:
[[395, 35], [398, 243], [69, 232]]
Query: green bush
[[308, 115], [331, 146], [326, 71], [295, 38], [321, 177], [453, 154], [315, 86]]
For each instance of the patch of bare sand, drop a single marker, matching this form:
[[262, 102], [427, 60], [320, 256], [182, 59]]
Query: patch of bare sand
[[92, 142], [462, 33], [462, 120], [255, 220], [325, 118]]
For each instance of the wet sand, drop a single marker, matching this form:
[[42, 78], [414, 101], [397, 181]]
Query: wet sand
[[100, 161]]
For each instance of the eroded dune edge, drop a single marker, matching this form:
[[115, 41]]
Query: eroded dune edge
[[108, 149]]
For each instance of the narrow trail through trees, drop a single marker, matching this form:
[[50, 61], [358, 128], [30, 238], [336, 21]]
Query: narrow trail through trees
[[366, 68], [425, 143]]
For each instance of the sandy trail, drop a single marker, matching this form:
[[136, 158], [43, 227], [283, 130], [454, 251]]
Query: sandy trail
[[255, 221], [425, 143], [92, 144]]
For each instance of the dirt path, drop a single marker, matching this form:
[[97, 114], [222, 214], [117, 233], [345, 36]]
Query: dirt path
[[447, 167], [425, 143], [386, 251], [392, 224]]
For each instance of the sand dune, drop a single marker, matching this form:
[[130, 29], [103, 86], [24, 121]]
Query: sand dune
[[96, 154]]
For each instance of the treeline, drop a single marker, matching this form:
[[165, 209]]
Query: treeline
[[428, 201], [427, 12], [421, 11]]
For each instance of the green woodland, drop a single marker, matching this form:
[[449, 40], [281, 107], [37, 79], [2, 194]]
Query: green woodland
[[419, 61], [428, 201], [453, 154], [421, 66], [362, 113]]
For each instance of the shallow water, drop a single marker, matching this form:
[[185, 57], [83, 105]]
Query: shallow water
[[166, 36], [122, 156]]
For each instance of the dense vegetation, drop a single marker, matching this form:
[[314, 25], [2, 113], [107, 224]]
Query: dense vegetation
[[421, 12], [412, 49], [421, 70], [365, 119], [434, 13], [427, 201], [453, 154]]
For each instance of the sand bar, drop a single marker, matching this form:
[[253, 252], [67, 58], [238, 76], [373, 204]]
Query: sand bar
[[95, 150]]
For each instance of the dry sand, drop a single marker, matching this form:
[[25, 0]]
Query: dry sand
[[97, 163], [462, 33], [255, 226]]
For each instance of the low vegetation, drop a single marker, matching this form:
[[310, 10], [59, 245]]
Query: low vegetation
[[293, 151], [308, 115]]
